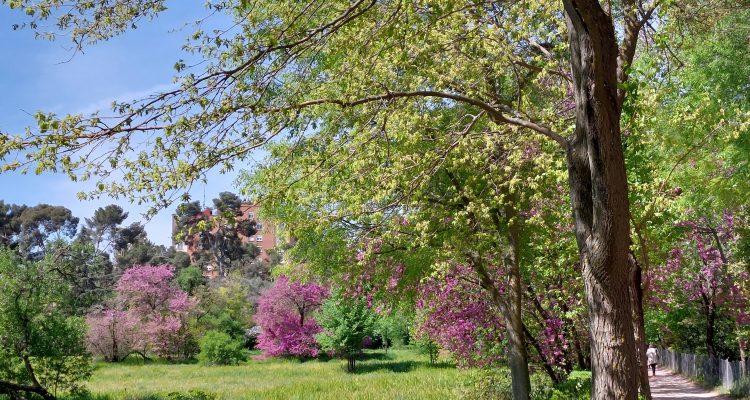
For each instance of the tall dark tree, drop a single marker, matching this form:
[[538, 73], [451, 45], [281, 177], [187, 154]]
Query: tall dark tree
[[42, 223], [10, 226], [217, 234], [103, 228]]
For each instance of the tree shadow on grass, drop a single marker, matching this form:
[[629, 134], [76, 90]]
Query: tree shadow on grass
[[374, 356], [393, 366], [398, 366]]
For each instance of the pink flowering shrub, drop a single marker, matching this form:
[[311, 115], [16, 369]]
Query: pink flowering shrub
[[285, 318], [459, 316], [151, 315]]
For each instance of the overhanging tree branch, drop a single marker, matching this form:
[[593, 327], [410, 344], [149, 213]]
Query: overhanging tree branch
[[495, 112]]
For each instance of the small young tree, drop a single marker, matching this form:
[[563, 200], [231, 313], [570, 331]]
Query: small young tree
[[41, 344], [224, 306], [428, 347], [393, 329], [191, 278], [346, 322], [285, 318]]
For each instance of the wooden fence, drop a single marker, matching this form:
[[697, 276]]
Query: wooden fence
[[709, 370]]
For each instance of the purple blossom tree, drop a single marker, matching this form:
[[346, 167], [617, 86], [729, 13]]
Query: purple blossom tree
[[459, 316], [285, 318], [699, 269], [115, 334]]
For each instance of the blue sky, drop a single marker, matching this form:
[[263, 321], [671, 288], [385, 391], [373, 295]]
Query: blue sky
[[36, 75]]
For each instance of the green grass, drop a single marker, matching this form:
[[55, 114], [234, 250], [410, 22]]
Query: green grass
[[401, 374]]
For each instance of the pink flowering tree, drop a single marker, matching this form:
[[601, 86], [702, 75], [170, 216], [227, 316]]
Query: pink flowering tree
[[459, 316], [151, 315], [700, 270], [285, 316], [115, 334]]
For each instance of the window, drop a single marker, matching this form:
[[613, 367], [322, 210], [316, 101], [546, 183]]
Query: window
[[259, 226], [259, 238], [250, 215]]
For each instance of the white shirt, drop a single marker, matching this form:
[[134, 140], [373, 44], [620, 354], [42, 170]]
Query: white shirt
[[652, 355]]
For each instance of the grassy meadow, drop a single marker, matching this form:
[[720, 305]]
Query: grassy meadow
[[399, 374]]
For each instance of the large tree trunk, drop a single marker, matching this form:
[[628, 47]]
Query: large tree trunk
[[598, 187], [743, 356]]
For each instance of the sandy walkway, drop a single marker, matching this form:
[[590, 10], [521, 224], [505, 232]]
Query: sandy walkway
[[666, 385]]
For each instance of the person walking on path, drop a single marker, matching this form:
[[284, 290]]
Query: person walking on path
[[652, 356]]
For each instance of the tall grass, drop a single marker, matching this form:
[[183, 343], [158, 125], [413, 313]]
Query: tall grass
[[401, 374]]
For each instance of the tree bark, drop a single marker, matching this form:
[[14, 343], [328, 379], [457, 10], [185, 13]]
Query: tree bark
[[10, 387], [709, 310], [350, 363], [35, 387], [599, 197], [743, 355], [517, 356], [511, 309]]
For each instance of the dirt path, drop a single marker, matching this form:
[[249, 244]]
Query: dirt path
[[666, 385]]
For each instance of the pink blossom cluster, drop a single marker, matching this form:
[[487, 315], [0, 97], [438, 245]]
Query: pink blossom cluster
[[552, 341], [699, 269], [151, 313], [459, 316], [285, 317], [114, 334]]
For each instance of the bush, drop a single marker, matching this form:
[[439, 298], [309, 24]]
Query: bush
[[220, 349], [191, 395], [576, 387], [495, 384], [741, 388]]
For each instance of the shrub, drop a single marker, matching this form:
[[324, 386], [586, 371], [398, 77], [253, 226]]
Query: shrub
[[741, 388], [495, 384], [219, 348], [577, 386]]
